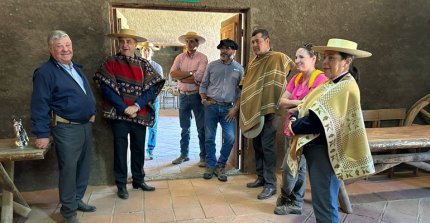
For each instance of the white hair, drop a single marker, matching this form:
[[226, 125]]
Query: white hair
[[55, 35]]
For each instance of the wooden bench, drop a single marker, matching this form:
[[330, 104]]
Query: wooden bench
[[12, 200], [393, 139]]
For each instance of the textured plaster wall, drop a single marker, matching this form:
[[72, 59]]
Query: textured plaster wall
[[164, 27], [395, 31]]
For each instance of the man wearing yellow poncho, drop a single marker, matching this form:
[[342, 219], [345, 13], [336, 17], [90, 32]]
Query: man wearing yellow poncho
[[330, 130], [262, 86]]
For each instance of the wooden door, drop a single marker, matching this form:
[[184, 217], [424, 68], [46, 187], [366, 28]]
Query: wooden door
[[232, 29]]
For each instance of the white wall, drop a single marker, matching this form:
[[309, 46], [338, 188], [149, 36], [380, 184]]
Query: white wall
[[164, 27]]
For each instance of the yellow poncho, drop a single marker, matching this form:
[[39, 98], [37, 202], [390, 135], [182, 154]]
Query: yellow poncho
[[337, 106], [263, 84]]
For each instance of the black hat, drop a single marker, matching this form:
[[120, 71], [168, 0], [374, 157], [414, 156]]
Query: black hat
[[228, 43]]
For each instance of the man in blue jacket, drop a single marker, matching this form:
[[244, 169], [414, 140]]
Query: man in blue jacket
[[63, 105]]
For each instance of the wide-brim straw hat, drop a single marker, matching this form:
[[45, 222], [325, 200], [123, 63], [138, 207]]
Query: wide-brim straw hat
[[343, 45], [254, 131], [191, 35], [148, 45], [127, 33]]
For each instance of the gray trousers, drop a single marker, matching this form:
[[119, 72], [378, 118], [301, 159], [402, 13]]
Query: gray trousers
[[265, 151], [293, 188], [73, 148]]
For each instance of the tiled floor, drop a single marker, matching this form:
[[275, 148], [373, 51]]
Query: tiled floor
[[183, 196], [402, 199]]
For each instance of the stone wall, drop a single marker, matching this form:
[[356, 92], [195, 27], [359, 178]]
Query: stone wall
[[395, 31]]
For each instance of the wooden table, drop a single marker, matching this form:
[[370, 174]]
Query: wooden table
[[398, 139], [12, 200]]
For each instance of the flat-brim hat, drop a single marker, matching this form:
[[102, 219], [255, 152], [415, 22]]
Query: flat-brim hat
[[228, 43], [344, 46], [147, 44], [127, 33], [254, 131], [191, 35]]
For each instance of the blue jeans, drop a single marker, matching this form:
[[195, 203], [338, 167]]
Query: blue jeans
[[152, 131], [215, 114], [188, 103], [324, 184], [293, 187]]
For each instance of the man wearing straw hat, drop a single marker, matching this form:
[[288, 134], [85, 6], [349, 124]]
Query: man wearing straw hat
[[129, 85], [147, 51], [188, 68]]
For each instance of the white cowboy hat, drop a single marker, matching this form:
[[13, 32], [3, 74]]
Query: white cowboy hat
[[344, 46], [191, 35], [254, 131], [127, 33], [147, 44]]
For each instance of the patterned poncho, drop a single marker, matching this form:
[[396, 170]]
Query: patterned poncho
[[262, 86], [337, 106], [129, 77]]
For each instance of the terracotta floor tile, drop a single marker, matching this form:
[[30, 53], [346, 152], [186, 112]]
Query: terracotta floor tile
[[97, 218], [188, 213], [133, 204], [215, 210], [136, 217], [161, 202], [185, 201], [159, 215]]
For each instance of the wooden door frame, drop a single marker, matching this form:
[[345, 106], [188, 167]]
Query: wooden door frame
[[245, 45]]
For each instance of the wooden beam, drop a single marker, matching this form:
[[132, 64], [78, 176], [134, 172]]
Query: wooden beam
[[421, 165], [7, 184], [20, 209], [344, 202], [401, 158]]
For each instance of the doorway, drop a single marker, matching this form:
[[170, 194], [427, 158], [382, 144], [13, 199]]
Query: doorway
[[163, 26]]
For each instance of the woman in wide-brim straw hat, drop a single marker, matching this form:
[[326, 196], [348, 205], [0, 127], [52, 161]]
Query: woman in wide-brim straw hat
[[192, 35], [329, 129]]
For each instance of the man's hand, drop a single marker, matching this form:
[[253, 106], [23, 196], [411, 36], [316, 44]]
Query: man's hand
[[131, 110], [93, 119], [206, 103], [42, 143], [232, 113]]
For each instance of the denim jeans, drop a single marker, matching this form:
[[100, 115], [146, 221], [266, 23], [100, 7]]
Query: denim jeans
[[324, 184], [215, 114], [188, 103], [293, 187], [152, 131]]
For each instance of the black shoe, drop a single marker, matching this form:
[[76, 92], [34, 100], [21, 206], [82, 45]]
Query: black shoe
[[259, 182], [143, 186], [266, 193], [86, 207], [122, 193]]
